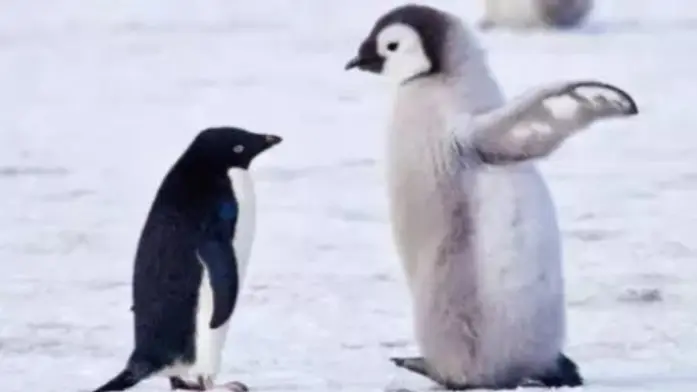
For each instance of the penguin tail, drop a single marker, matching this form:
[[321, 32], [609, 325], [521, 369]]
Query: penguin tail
[[135, 372]]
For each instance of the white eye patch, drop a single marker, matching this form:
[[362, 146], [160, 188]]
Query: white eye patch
[[238, 148], [402, 48]]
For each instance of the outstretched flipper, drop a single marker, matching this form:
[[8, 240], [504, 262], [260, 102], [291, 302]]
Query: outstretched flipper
[[216, 253], [528, 128]]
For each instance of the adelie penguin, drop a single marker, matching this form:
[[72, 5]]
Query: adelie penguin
[[473, 220], [191, 261]]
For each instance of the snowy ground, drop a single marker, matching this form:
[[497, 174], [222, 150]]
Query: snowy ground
[[99, 98]]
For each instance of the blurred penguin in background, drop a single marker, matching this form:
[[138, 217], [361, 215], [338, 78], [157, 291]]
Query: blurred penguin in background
[[529, 14]]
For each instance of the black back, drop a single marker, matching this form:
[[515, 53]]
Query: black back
[[191, 220], [167, 272], [186, 208]]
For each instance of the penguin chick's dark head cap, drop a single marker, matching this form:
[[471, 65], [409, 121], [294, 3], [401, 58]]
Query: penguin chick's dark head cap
[[228, 147], [406, 42]]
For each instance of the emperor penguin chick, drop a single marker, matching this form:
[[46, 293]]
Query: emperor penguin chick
[[473, 220], [191, 261]]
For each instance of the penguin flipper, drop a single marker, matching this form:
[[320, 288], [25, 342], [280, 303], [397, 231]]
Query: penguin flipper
[[219, 258], [528, 128]]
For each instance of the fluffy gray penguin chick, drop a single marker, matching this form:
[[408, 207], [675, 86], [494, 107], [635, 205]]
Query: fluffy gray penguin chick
[[472, 218]]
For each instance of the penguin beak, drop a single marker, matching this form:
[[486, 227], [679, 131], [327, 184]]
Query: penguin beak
[[367, 58], [370, 64], [355, 62], [272, 140]]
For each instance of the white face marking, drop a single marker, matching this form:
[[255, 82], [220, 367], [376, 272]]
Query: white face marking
[[238, 148], [402, 48]]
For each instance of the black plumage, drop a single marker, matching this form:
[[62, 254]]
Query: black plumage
[[191, 221]]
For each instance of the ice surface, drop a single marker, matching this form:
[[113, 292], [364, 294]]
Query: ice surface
[[99, 97]]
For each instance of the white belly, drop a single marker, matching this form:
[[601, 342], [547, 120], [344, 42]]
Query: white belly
[[511, 275], [520, 276], [210, 343], [517, 234], [243, 186]]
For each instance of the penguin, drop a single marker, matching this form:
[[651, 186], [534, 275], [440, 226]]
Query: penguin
[[191, 260], [473, 221], [556, 14]]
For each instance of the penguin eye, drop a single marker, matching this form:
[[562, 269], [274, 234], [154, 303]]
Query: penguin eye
[[392, 46], [238, 148]]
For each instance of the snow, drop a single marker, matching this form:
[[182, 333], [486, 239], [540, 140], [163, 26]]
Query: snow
[[99, 98]]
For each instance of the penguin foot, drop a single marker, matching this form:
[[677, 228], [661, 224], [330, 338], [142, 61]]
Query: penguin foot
[[419, 366], [565, 375], [415, 364], [181, 384], [203, 383], [236, 386]]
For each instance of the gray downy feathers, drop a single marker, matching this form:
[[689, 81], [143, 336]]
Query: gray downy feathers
[[479, 244]]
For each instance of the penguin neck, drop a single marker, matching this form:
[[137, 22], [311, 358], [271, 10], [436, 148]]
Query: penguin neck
[[192, 179], [424, 158], [198, 166], [466, 89], [466, 72], [427, 110], [473, 88]]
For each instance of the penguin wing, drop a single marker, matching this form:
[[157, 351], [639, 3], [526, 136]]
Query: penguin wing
[[217, 254], [527, 128]]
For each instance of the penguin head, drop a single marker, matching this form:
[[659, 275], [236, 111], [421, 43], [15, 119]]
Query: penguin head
[[405, 43], [229, 147]]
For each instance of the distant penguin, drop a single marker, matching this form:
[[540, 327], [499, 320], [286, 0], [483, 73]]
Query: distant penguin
[[560, 14], [191, 261], [473, 221]]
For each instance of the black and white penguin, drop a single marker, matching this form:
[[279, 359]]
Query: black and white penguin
[[191, 261]]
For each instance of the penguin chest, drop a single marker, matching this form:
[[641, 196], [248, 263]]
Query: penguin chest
[[210, 342], [243, 189]]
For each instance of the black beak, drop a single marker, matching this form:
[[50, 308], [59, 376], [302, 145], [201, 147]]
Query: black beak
[[367, 58], [273, 140], [370, 64], [355, 62]]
